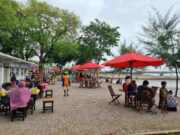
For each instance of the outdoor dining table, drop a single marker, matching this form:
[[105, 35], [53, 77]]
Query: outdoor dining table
[[34, 95], [89, 85]]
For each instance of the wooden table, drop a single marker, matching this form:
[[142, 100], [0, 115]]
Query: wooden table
[[35, 96]]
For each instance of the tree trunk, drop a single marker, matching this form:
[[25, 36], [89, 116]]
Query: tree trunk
[[41, 67], [176, 68]]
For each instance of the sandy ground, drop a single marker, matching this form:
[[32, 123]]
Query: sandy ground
[[87, 112]]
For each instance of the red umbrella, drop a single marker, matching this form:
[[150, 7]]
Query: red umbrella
[[90, 65], [55, 69], [133, 59], [78, 67], [74, 67], [35, 68]]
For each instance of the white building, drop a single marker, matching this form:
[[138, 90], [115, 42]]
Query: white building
[[10, 64]]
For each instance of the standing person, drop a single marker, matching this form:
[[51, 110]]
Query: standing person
[[81, 79], [66, 83], [13, 80], [164, 96], [72, 78]]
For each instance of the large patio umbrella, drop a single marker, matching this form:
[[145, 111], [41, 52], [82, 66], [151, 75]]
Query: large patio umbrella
[[55, 69], [133, 59], [91, 65], [35, 68], [78, 67]]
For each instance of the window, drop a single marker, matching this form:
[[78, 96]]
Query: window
[[22, 71], [17, 71]]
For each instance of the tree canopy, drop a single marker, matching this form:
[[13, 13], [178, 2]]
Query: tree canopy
[[96, 40], [161, 37]]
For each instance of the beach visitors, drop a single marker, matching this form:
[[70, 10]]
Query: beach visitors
[[119, 81], [125, 84], [20, 96], [132, 86], [172, 102], [4, 94], [81, 79], [100, 80], [111, 80], [107, 79], [72, 78], [13, 80], [140, 90], [28, 83], [163, 97], [66, 83], [77, 77]]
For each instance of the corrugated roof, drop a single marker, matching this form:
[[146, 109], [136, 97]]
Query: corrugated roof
[[5, 57]]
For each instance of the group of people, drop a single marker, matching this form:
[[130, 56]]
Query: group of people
[[85, 79], [166, 99], [17, 97], [21, 94]]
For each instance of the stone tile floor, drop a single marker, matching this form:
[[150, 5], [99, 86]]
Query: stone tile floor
[[87, 112]]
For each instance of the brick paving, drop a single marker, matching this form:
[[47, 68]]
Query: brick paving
[[87, 112]]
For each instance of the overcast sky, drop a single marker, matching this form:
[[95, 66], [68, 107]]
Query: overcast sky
[[129, 15]]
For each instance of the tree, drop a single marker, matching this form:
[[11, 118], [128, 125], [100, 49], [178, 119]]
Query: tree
[[13, 37], [96, 40], [161, 38], [48, 27], [64, 53], [8, 21]]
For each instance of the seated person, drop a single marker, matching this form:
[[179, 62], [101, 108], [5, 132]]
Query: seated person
[[20, 96], [125, 84], [28, 83], [172, 103], [86, 82], [132, 87], [4, 96], [119, 81], [140, 90], [163, 94], [100, 80], [107, 79], [111, 80], [46, 79]]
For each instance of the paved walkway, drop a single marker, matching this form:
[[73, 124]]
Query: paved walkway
[[86, 112]]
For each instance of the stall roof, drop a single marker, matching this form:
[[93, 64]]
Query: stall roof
[[5, 57]]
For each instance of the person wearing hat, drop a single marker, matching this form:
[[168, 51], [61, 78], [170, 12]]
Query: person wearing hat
[[66, 83]]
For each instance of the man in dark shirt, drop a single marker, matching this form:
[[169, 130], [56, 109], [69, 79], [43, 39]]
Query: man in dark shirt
[[28, 83], [143, 87]]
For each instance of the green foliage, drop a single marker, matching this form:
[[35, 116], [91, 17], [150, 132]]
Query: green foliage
[[161, 37], [96, 40], [64, 53], [8, 21]]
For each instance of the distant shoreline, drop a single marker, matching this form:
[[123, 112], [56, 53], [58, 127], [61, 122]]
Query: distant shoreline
[[139, 77]]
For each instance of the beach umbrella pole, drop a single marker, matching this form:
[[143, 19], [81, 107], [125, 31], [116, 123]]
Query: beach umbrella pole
[[131, 69]]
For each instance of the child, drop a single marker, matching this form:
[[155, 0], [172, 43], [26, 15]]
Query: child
[[164, 94]]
